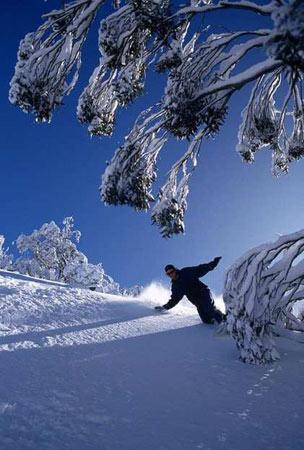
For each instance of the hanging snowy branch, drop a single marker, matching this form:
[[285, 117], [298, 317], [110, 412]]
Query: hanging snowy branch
[[261, 289], [47, 58], [169, 211], [129, 176], [204, 69]]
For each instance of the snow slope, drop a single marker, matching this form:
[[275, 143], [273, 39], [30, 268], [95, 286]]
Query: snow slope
[[84, 370]]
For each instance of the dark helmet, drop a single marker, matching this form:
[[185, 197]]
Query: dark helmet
[[169, 267]]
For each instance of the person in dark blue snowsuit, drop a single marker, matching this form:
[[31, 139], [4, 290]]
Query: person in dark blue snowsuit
[[186, 282]]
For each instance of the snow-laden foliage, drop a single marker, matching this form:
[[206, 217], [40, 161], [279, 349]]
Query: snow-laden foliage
[[6, 259], [119, 78], [129, 176], [109, 285], [81, 272], [204, 68], [46, 252], [49, 59], [260, 294], [51, 253]]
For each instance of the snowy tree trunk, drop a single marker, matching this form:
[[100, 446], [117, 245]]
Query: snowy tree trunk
[[260, 291]]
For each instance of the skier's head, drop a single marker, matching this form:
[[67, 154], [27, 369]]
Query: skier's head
[[171, 271]]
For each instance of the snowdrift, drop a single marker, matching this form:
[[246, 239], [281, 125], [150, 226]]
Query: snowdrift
[[82, 370]]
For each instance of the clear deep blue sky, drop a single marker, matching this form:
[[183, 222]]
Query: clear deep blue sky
[[50, 171]]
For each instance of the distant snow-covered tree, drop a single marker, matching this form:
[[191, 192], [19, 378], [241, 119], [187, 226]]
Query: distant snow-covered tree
[[204, 69], [80, 271], [260, 294], [109, 286], [47, 251], [6, 259], [51, 253], [133, 291]]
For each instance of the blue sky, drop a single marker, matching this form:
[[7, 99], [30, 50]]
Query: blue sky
[[50, 171]]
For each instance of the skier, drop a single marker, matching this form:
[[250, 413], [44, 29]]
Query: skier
[[186, 282]]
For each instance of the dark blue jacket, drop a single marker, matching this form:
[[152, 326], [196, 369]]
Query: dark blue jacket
[[188, 284]]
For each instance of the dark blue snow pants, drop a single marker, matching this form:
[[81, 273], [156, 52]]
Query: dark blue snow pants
[[207, 310]]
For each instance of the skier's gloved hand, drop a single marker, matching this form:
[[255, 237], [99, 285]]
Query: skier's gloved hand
[[160, 308], [217, 260]]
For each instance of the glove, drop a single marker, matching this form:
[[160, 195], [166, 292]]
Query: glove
[[217, 260], [159, 308]]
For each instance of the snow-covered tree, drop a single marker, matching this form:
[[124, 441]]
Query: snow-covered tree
[[81, 272], [6, 259], [51, 253], [261, 290], [109, 285], [47, 251], [85, 274], [204, 69], [133, 291]]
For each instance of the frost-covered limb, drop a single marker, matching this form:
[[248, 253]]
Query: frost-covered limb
[[97, 105], [260, 124], [238, 51], [203, 68], [287, 39], [295, 143], [263, 123], [119, 78], [99, 101], [129, 176], [185, 113], [49, 59], [260, 290], [236, 82], [117, 39], [246, 5], [168, 213]]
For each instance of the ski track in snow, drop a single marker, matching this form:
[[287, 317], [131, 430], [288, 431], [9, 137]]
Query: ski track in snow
[[83, 370]]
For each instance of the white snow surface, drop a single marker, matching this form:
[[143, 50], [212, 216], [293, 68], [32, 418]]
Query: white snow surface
[[85, 370]]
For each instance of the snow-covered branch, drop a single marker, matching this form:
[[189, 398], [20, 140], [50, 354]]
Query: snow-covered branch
[[129, 176], [168, 213], [260, 290], [245, 5], [238, 81], [49, 59], [204, 69]]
